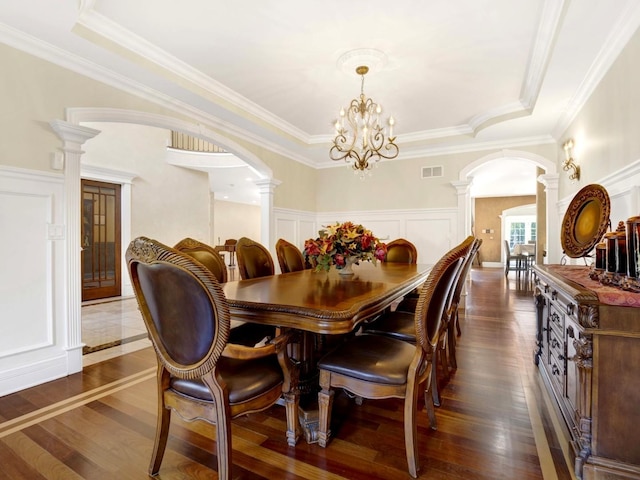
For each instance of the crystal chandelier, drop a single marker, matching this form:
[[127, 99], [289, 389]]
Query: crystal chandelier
[[360, 138]]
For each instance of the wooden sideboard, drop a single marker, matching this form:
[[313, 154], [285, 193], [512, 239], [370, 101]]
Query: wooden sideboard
[[588, 354]]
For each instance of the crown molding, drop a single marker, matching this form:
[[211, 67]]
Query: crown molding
[[553, 13], [611, 49], [434, 151], [38, 48], [100, 25], [548, 29]]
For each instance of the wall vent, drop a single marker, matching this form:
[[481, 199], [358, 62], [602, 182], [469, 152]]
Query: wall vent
[[429, 172]]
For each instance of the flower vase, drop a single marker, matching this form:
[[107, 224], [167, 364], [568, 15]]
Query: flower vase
[[347, 270]]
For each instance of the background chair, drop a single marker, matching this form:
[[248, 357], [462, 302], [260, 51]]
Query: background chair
[[254, 260], [248, 334], [452, 320], [474, 254], [204, 254], [289, 256], [200, 375], [401, 251], [512, 261], [355, 365]]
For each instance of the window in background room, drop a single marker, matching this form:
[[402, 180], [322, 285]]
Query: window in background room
[[521, 229]]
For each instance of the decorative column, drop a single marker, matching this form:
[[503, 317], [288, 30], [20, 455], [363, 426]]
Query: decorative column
[[267, 230], [73, 136], [554, 249], [463, 190]]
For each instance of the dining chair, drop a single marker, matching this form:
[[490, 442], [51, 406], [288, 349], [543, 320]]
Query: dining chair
[[206, 255], [289, 256], [254, 260], [400, 323], [473, 255], [244, 333], [401, 251], [356, 366], [200, 374], [452, 313]]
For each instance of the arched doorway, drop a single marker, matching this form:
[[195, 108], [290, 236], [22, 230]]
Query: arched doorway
[[74, 134], [549, 179]]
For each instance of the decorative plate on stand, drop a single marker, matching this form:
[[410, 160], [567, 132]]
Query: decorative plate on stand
[[585, 221]]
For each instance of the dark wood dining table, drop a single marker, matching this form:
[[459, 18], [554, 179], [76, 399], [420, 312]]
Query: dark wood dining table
[[323, 302], [318, 305]]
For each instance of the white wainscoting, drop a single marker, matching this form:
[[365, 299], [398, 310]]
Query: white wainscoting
[[32, 280], [433, 231]]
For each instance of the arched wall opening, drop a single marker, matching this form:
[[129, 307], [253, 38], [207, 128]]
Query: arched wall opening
[[549, 181], [74, 134]]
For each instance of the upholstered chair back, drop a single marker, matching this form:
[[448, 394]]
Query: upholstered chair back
[[206, 255], [254, 260], [434, 295], [189, 339], [401, 251], [289, 256]]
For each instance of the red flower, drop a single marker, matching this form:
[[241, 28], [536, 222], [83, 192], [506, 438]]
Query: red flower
[[366, 240], [381, 251], [311, 247]]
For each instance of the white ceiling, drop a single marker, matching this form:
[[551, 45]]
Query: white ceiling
[[458, 75]]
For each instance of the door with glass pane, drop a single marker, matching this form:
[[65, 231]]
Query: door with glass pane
[[100, 240]]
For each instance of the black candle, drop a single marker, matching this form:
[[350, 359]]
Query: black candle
[[611, 239], [621, 253], [633, 247], [601, 256]]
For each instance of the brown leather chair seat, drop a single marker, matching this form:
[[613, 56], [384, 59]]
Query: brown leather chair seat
[[361, 358], [245, 379], [398, 324]]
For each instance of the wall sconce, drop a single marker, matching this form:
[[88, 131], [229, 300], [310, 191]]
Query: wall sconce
[[569, 164]]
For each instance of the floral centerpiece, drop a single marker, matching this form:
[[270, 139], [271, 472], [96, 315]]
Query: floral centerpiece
[[342, 245]]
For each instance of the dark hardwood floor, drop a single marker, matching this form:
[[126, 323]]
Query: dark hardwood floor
[[493, 422]]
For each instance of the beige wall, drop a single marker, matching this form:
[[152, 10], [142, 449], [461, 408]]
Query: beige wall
[[397, 184], [487, 216], [33, 92], [235, 220], [168, 203], [605, 132]]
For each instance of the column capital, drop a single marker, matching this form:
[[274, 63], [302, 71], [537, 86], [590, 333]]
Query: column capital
[[72, 135], [267, 185], [462, 186], [549, 180]]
